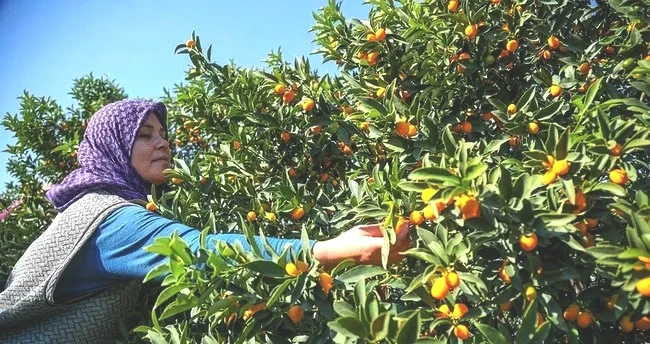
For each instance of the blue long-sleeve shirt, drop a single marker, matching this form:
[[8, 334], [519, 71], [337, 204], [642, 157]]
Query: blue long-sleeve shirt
[[115, 252]]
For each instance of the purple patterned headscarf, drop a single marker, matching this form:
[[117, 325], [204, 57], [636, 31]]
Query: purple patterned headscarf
[[105, 154]]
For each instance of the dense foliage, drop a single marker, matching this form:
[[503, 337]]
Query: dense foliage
[[512, 135]]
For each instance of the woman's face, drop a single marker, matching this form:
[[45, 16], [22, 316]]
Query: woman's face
[[150, 154]]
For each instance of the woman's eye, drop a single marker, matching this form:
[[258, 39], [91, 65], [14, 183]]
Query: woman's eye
[[146, 136]]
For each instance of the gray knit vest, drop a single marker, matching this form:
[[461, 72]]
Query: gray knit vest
[[28, 311]]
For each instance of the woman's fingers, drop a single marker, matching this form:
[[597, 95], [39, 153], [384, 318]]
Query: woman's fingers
[[375, 230], [370, 230]]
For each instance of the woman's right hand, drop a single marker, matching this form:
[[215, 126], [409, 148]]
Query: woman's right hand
[[363, 245]]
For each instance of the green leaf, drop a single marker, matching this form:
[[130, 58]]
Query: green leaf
[[498, 104], [494, 146], [156, 338], [610, 188], [372, 309], [541, 333], [449, 142], [549, 111], [349, 327], [474, 172], [266, 268], [491, 334], [375, 105], [528, 324], [344, 309], [220, 305], [157, 271], [180, 249], [381, 327], [604, 251], [360, 295], [424, 255], [589, 97], [635, 144], [394, 144], [435, 174], [168, 293], [410, 332], [277, 292], [630, 253], [176, 308], [556, 220], [360, 272], [562, 145], [526, 98], [550, 277], [412, 186]]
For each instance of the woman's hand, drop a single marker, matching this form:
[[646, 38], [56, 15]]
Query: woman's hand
[[361, 244]]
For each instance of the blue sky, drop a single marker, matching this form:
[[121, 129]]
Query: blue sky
[[46, 44]]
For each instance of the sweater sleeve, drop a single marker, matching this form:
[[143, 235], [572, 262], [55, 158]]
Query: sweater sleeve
[[115, 252]]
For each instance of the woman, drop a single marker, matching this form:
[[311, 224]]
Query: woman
[[82, 275]]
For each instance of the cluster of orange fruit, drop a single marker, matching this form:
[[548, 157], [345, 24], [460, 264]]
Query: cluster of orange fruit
[[406, 129], [554, 169], [430, 212], [460, 330], [461, 57], [442, 285], [625, 322], [297, 269], [287, 95], [618, 176], [295, 312], [372, 57], [584, 226], [296, 214], [553, 43], [378, 36], [580, 204], [325, 280], [582, 318], [463, 127], [193, 131], [345, 149], [627, 325], [468, 206]]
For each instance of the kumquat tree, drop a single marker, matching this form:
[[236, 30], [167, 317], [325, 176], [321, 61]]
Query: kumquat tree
[[513, 136]]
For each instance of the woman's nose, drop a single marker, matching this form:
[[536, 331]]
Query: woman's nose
[[162, 143]]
